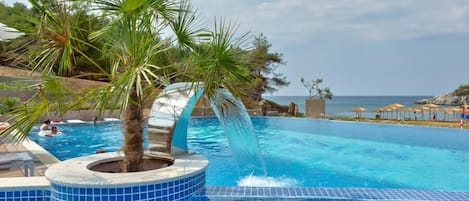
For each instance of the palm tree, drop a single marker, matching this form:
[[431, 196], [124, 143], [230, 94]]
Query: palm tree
[[133, 40]]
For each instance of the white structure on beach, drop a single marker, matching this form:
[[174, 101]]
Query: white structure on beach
[[7, 33]]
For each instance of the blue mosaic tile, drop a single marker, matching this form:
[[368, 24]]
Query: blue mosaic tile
[[20, 194], [183, 189], [256, 193], [171, 190]]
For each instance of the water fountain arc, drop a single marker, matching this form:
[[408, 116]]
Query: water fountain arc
[[171, 112]]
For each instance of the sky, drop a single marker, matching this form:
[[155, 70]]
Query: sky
[[359, 47]]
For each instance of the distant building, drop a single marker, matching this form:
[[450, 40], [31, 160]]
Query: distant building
[[7, 33]]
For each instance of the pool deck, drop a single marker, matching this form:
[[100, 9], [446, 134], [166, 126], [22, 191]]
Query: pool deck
[[42, 158]]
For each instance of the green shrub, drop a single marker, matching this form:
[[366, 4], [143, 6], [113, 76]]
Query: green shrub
[[463, 90], [13, 86], [7, 104]]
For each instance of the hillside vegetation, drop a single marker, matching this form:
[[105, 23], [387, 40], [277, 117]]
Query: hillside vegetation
[[462, 90]]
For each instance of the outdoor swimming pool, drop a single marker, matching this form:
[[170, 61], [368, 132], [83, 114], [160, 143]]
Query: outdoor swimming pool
[[309, 153]]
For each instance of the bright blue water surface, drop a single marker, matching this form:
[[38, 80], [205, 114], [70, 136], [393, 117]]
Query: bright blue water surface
[[309, 153]]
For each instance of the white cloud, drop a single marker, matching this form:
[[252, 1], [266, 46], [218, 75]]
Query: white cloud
[[300, 20], [355, 19]]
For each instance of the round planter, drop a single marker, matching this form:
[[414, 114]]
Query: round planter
[[73, 180]]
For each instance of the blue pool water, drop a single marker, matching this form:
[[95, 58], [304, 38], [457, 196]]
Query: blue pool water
[[309, 153]]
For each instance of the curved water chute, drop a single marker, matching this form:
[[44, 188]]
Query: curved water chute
[[169, 117], [171, 112]]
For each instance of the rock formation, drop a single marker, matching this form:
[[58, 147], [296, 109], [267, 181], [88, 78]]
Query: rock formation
[[447, 99]]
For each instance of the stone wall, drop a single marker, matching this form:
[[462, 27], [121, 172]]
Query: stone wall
[[207, 111], [315, 108], [85, 115]]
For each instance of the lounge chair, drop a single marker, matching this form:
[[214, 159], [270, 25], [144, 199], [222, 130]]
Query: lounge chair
[[4, 125], [18, 159]]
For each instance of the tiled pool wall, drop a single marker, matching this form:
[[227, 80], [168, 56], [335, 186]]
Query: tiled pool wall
[[326, 194], [145, 192], [25, 194], [181, 189]]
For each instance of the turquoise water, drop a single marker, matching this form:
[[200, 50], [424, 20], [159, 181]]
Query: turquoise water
[[310, 153], [343, 105]]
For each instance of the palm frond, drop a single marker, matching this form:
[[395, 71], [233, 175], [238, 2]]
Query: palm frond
[[219, 62], [186, 26]]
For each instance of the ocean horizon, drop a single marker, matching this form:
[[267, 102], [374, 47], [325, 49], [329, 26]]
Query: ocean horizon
[[341, 106]]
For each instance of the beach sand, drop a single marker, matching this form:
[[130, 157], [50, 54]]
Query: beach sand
[[430, 123]]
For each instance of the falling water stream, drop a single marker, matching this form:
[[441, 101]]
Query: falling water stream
[[240, 132]]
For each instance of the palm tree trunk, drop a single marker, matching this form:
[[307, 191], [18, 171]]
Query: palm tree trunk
[[133, 146]]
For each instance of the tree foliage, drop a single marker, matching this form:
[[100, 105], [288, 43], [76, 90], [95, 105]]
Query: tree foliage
[[264, 64], [462, 90], [7, 104], [139, 60], [12, 16], [63, 29], [315, 91], [69, 27]]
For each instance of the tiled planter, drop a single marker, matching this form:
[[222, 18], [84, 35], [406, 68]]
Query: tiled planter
[[72, 180]]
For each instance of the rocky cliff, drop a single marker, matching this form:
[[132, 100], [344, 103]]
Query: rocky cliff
[[447, 99]]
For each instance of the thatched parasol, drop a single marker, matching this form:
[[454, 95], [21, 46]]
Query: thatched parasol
[[430, 106], [407, 110], [417, 110], [358, 111], [450, 112], [394, 107]]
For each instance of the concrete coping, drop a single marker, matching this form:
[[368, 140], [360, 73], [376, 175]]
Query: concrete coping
[[40, 153], [15, 183], [75, 172]]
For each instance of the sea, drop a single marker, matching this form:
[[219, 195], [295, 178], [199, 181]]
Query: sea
[[341, 106]]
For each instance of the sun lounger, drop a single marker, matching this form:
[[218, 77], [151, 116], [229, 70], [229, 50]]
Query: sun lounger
[[17, 159], [4, 125], [75, 121], [111, 119]]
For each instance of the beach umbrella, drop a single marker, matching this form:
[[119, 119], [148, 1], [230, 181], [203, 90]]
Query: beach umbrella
[[7, 33], [444, 111], [415, 112], [380, 111], [430, 106], [387, 110], [395, 107], [407, 110], [422, 109], [449, 112], [358, 111], [456, 110]]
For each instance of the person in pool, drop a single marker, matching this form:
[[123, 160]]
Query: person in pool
[[54, 130], [45, 125]]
